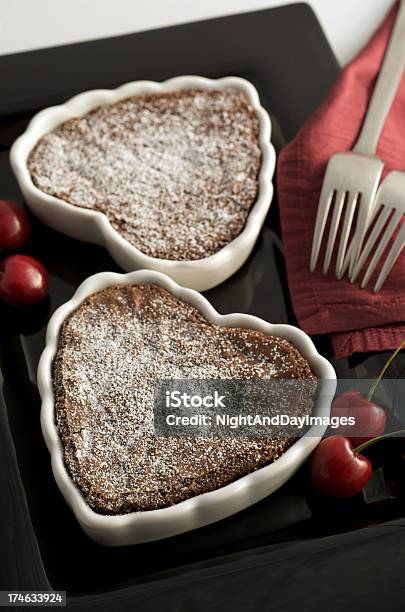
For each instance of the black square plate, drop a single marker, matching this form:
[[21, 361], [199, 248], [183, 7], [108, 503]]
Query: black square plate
[[284, 53]]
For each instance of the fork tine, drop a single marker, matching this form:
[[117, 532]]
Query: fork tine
[[393, 255], [364, 221], [381, 247], [347, 258], [350, 249], [360, 233], [325, 201], [347, 224], [337, 212], [379, 224]]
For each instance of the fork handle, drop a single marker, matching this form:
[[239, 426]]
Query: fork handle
[[385, 89]]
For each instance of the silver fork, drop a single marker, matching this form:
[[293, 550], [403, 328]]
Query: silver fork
[[351, 178], [388, 211]]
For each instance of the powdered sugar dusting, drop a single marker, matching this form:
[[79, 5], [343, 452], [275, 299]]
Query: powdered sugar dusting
[[176, 174], [112, 350]]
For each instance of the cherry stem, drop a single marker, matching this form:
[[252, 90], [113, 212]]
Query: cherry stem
[[364, 445], [381, 374]]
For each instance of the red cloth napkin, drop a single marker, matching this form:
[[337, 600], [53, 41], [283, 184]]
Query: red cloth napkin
[[358, 319]]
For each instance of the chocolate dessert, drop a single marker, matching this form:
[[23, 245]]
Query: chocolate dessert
[[112, 349], [175, 173]]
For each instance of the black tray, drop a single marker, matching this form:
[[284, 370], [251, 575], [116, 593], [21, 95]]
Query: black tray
[[285, 54]]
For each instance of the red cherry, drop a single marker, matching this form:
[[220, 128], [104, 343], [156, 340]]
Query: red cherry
[[23, 280], [370, 418], [336, 471], [14, 225]]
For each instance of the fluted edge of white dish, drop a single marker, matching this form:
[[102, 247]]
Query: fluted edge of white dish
[[138, 527], [94, 226]]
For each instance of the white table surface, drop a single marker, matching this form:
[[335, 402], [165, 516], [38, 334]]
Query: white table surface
[[31, 24]]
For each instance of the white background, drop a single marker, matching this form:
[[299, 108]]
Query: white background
[[30, 24]]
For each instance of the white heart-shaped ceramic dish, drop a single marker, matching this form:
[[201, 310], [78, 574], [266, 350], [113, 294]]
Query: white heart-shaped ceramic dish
[[93, 226], [200, 510]]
